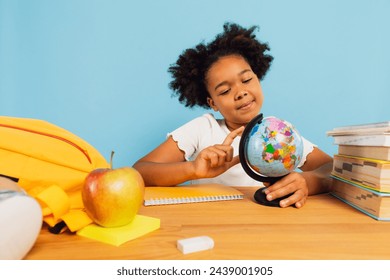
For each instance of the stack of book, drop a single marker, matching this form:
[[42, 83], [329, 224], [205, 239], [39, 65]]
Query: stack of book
[[361, 169]]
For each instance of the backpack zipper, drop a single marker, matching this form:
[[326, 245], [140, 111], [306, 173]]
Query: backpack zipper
[[52, 136]]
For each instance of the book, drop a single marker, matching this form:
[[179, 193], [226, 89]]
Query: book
[[371, 134], [363, 140], [141, 225], [190, 194], [376, 152], [370, 173], [361, 129], [372, 203]]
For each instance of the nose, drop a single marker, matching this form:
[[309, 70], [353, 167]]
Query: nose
[[240, 95]]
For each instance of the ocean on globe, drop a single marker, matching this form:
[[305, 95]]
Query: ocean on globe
[[274, 147]]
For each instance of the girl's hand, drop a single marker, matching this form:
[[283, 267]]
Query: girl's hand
[[294, 184], [215, 160]]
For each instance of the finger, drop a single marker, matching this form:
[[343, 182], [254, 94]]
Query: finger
[[279, 190], [235, 160], [275, 186], [215, 156], [300, 203], [266, 184], [228, 151], [287, 201], [232, 135], [282, 183], [297, 199]]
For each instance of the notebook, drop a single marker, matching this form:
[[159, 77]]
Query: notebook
[[190, 194]]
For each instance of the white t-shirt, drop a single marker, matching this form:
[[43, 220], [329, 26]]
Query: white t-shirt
[[206, 131]]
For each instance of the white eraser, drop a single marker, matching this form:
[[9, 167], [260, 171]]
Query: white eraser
[[195, 244]]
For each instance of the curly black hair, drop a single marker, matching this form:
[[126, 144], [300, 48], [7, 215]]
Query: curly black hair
[[190, 69]]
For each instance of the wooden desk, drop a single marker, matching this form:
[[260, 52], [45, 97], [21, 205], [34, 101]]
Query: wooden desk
[[325, 228]]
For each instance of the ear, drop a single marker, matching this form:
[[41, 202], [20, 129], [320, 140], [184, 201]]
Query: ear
[[211, 103]]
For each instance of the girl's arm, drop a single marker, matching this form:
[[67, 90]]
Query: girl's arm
[[166, 165], [316, 171]]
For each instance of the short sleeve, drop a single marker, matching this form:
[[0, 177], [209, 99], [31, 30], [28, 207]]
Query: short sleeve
[[308, 147], [191, 136]]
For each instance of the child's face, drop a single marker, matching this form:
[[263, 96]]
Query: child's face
[[235, 91]]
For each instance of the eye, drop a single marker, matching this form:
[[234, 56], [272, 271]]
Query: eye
[[224, 92], [245, 81]]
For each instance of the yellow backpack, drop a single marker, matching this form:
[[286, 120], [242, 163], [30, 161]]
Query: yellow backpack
[[50, 164]]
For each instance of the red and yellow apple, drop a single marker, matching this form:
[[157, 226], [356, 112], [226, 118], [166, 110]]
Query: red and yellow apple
[[112, 197]]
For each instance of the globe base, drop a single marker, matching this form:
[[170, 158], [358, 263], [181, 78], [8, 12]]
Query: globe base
[[261, 198]]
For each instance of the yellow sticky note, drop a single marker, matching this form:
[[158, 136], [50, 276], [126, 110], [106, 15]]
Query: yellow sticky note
[[116, 236]]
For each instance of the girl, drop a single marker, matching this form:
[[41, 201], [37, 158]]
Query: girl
[[225, 75]]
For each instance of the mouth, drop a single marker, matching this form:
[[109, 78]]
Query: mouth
[[246, 105]]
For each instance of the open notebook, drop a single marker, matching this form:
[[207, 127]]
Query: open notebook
[[190, 194]]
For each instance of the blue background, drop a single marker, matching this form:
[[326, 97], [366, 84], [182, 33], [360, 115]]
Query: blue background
[[99, 68]]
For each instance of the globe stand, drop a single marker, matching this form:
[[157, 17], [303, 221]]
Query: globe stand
[[259, 195]]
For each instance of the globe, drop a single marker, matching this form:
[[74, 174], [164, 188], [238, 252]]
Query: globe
[[270, 147]]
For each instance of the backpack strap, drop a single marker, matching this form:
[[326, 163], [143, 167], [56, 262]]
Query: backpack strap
[[56, 207]]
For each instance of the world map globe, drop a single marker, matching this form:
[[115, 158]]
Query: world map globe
[[271, 147]]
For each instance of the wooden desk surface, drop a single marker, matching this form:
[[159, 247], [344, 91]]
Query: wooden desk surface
[[325, 228]]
